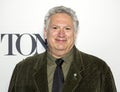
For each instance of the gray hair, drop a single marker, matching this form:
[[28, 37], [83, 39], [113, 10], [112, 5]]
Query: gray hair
[[61, 9]]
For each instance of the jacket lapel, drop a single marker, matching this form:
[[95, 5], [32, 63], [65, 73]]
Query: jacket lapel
[[74, 75], [72, 80], [40, 75]]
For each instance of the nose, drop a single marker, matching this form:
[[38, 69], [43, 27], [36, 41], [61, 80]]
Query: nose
[[61, 32]]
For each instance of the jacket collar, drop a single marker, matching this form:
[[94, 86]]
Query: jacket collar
[[73, 78], [40, 74]]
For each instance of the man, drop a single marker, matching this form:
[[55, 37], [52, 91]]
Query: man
[[78, 71]]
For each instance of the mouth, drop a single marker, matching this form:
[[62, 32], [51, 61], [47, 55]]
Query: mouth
[[60, 40]]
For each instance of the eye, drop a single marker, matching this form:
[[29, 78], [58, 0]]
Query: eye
[[67, 28], [54, 27]]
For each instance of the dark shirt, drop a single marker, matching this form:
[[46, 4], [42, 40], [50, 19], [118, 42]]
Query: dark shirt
[[51, 65]]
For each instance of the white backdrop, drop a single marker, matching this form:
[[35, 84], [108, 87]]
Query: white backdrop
[[99, 32]]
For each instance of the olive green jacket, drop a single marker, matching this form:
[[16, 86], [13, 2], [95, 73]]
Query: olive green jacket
[[86, 74]]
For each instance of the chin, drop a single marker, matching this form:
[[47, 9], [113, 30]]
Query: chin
[[60, 47]]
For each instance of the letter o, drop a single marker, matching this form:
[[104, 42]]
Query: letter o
[[18, 41]]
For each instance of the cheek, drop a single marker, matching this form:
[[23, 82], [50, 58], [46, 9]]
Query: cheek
[[52, 33], [51, 36], [71, 37]]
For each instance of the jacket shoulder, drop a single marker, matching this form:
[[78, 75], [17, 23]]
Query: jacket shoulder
[[32, 60], [94, 62]]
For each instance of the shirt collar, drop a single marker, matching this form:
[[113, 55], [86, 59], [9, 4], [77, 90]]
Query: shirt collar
[[68, 58]]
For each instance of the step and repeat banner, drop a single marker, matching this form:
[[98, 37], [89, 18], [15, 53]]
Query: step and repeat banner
[[21, 32]]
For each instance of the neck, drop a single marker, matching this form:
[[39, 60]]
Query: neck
[[59, 53]]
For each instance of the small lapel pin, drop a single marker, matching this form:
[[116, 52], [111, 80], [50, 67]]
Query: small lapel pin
[[75, 76]]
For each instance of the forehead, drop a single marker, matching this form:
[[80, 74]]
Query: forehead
[[61, 15]]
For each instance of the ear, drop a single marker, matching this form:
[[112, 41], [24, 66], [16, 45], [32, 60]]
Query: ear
[[75, 34], [45, 33]]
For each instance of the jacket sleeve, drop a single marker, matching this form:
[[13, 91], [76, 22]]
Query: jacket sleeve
[[12, 81], [109, 84]]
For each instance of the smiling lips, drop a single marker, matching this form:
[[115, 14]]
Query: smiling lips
[[60, 40]]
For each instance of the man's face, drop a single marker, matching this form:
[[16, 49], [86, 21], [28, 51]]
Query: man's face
[[60, 34]]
